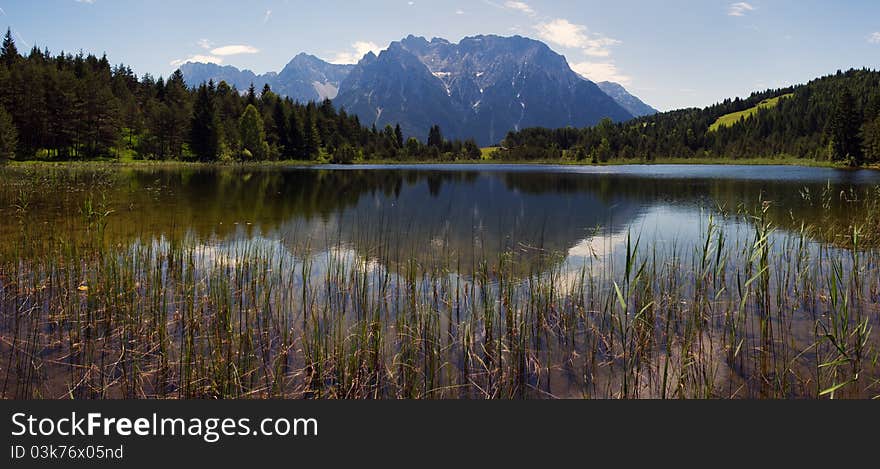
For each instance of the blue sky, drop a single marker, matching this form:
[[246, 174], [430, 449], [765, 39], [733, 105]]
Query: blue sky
[[672, 53]]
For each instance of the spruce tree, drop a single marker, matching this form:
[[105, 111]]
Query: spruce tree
[[871, 141], [312, 135], [398, 135], [435, 137], [280, 118], [8, 51], [205, 126], [252, 95], [8, 135], [295, 138], [843, 130]]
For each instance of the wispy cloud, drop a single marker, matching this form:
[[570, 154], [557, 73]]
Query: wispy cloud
[[267, 16], [567, 34], [2, 12], [874, 38], [20, 38], [606, 71], [521, 7], [563, 33], [739, 9], [598, 46], [359, 50], [459, 12], [214, 55], [86, 1], [234, 50], [198, 58]]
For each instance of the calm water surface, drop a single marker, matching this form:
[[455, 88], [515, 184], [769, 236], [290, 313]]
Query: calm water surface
[[487, 280], [461, 211]]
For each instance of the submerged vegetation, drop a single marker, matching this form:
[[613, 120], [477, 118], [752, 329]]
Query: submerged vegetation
[[765, 303]]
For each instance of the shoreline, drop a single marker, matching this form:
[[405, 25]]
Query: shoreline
[[784, 161]]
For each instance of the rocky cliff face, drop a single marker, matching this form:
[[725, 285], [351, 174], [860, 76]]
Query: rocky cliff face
[[481, 87], [631, 103], [305, 78]]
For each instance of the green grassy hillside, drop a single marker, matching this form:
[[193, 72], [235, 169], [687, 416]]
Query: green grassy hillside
[[729, 119]]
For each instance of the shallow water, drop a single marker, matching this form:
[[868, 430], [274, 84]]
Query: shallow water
[[525, 259], [463, 210]]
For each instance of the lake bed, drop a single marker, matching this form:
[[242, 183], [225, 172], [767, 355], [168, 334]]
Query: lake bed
[[440, 281]]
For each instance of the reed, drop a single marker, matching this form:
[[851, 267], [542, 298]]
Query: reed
[[769, 314]]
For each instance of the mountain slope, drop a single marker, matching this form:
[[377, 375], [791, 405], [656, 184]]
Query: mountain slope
[[803, 121], [631, 103], [197, 73], [308, 78], [305, 78], [482, 88], [396, 87]]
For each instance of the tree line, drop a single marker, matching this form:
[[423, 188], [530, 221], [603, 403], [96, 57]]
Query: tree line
[[76, 106], [836, 118]]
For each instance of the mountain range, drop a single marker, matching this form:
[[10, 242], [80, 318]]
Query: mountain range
[[481, 87]]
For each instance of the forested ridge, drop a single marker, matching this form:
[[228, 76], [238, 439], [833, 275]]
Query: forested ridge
[[67, 106], [75, 107], [836, 117]]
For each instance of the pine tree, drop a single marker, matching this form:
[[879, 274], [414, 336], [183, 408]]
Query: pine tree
[[279, 116], [252, 95], [312, 135], [871, 141], [295, 139], [435, 137], [8, 136], [843, 130], [8, 51], [253, 137], [398, 135], [205, 127]]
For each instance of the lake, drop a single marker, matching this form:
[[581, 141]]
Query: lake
[[439, 281]]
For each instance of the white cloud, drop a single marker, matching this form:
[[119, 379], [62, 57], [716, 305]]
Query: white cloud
[[2, 12], [520, 6], [360, 49], [215, 55], [563, 33], [234, 50], [86, 1], [598, 46], [459, 12], [601, 71], [198, 58], [267, 16], [567, 34], [411, 3], [739, 9], [874, 38]]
